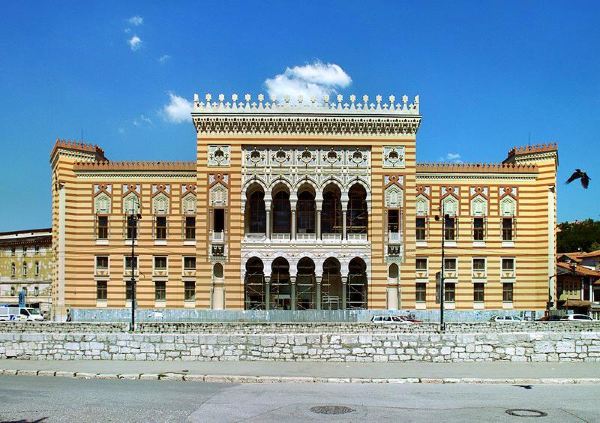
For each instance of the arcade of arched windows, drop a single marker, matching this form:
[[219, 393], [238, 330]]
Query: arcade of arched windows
[[306, 213], [305, 286]]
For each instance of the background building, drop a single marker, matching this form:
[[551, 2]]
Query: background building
[[26, 262], [305, 205]]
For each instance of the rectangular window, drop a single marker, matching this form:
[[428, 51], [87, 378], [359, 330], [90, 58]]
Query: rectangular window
[[507, 229], [479, 264], [478, 292], [160, 291], [102, 263], [450, 264], [190, 291], [24, 271], [128, 291], [219, 220], [190, 228], [421, 264], [160, 263], [421, 294], [37, 268], [102, 227], [128, 263], [421, 229], [189, 263], [508, 264], [449, 292], [161, 227], [101, 290], [478, 229], [37, 250], [394, 221], [13, 251], [450, 229], [507, 292], [131, 227]]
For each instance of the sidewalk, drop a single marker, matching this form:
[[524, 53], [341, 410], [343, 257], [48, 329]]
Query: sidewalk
[[307, 372]]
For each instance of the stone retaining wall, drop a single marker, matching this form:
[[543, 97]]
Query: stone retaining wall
[[293, 328], [338, 343]]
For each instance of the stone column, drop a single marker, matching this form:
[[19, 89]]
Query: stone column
[[294, 222], [344, 235], [293, 292], [267, 292], [318, 280], [318, 229], [268, 213], [344, 291]]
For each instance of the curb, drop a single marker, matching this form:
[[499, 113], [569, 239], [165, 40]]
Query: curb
[[298, 379]]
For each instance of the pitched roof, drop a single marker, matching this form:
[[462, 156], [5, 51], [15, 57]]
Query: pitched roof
[[579, 270], [590, 254]]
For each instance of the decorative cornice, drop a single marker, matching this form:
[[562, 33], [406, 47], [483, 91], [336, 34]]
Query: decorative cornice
[[105, 166], [305, 118]]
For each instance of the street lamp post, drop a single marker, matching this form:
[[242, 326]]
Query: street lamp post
[[133, 219], [445, 216]]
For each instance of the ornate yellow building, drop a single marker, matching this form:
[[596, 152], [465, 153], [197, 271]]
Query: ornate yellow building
[[26, 262], [304, 205]]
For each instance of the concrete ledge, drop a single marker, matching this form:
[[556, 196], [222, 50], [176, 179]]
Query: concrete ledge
[[238, 379]]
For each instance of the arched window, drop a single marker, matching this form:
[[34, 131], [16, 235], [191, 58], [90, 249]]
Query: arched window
[[24, 272], [478, 206], [450, 206], [254, 285], [305, 285], [13, 270], [280, 290], [218, 271], [508, 206], [257, 214], [357, 284], [393, 272], [331, 285], [189, 204], [282, 213], [357, 215], [331, 214], [37, 268], [306, 212]]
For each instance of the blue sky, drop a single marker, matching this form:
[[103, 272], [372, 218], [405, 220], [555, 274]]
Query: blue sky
[[491, 75]]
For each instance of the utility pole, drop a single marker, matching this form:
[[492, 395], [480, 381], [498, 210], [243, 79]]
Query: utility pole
[[444, 217]]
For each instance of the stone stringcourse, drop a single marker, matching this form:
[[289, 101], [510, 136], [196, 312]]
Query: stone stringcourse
[[532, 341]]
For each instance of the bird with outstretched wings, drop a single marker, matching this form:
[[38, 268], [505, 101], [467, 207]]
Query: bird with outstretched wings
[[582, 176]]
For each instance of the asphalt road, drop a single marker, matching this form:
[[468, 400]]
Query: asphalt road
[[28, 399]]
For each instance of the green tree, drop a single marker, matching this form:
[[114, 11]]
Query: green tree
[[581, 236]]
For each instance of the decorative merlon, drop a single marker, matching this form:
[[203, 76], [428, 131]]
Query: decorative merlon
[[475, 168], [78, 147], [137, 165], [303, 105]]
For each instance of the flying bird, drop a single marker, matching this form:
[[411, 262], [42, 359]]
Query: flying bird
[[579, 174]]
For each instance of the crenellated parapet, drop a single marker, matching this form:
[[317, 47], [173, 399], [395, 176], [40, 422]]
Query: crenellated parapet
[[300, 116], [476, 168], [133, 165], [533, 153]]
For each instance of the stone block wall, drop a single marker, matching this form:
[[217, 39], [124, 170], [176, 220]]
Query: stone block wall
[[536, 341]]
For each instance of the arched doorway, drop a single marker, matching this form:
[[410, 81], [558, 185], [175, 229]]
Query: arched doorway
[[357, 284], [393, 288], [357, 214], [280, 290], [331, 214], [256, 220], [254, 285], [331, 285], [305, 285]]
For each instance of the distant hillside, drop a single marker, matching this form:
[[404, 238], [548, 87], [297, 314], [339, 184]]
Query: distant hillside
[[579, 236]]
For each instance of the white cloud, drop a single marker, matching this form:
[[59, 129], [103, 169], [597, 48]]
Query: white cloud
[[316, 79], [136, 20], [164, 58], [134, 43], [142, 120], [178, 109], [451, 157]]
